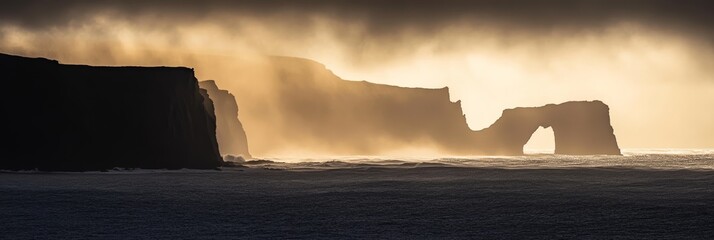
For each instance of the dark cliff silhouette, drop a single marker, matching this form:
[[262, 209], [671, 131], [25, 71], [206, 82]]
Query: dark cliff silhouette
[[76, 118], [229, 130], [580, 128], [299, 104]]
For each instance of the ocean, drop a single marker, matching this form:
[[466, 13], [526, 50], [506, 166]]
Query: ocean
[[644, 194]]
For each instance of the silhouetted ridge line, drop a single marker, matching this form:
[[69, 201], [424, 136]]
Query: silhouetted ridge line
[[312, 109], [77, 117], [304, 106]]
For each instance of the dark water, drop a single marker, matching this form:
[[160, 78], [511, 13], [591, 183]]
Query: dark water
[[336, 200]]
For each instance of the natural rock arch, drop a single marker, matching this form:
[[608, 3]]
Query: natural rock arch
[[580, 128]]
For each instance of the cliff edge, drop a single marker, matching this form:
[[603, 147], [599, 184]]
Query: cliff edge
[[77, 118]]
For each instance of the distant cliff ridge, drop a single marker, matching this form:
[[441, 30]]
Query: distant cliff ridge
[[75, 118], [580, 128], [297, 104], [231, 137]]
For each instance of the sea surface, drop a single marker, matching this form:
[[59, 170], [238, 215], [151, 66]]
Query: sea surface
[[644, 194]]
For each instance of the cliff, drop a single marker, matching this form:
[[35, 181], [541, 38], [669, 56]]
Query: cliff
[[76, 118], [580, 128], [298, 106], [293, 105], [231, 137]]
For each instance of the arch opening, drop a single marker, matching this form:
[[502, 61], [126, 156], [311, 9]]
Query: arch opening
[[541, 142]]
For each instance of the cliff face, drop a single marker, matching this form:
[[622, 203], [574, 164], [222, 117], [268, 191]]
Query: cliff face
[[229, 130], [74, 118], [301, 106], [580, 128], [298, 105]]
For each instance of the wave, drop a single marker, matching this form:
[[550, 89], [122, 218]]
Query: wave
[[653, 159], [643, 159]]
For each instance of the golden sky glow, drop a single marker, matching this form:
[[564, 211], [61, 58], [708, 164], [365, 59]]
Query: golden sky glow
[[659, 84]]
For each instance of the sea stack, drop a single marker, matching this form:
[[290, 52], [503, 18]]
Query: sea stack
[[231, 136], [580, 128]]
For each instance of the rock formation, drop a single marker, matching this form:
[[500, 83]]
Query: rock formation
[[229, 130], [298, 105], [76, 118], [73, 117], [580, 128]]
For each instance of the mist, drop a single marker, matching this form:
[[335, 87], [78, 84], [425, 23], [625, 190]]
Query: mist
[[656, 75]]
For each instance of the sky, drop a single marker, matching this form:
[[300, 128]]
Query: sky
[[651, 61]]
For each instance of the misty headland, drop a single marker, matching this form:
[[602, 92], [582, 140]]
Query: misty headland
[[114, 117], [337, 119]]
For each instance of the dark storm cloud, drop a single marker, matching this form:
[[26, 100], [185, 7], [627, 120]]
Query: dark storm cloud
[[381, 16]]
